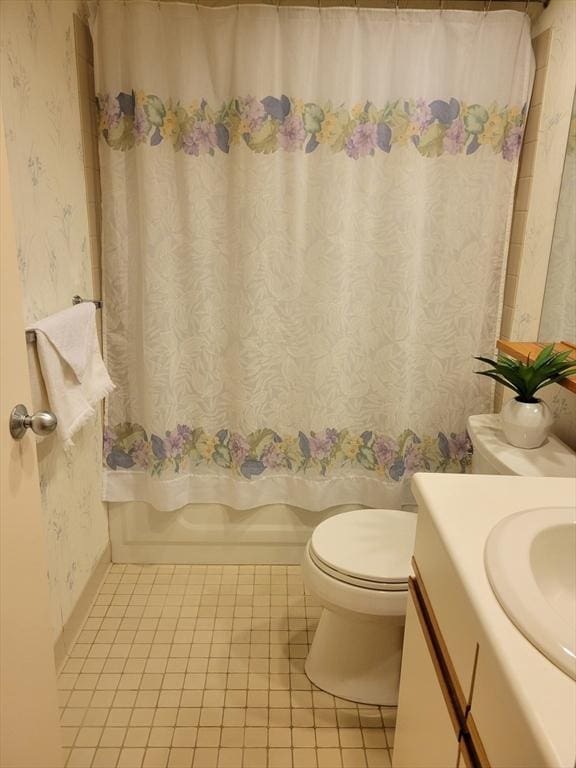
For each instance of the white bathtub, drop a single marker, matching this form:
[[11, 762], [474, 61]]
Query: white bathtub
[[211, 533]]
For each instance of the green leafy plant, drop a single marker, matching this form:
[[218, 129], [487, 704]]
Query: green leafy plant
[[526, 378]]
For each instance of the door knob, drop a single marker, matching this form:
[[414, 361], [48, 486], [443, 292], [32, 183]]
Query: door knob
[[41, 423]]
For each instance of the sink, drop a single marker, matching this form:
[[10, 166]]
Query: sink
[[530, 560]]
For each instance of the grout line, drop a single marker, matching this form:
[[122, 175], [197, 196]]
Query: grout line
[[257, 601]]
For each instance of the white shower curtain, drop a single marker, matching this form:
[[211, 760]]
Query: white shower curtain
[[305, 218]]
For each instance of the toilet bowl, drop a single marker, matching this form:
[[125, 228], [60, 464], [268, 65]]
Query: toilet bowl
[[357, 565]]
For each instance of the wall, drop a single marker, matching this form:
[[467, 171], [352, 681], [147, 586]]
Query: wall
[[558, 317], [541, 45], [39, 92], [540, 175], [549, 149], [89, 127]]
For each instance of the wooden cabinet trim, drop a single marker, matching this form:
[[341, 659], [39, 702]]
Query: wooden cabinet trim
[[424, 621], [475, 743], [520, 350], [465, 759], [458, 705], [460, 699]]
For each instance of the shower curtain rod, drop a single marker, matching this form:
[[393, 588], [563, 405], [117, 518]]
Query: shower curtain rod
[[488, 4]]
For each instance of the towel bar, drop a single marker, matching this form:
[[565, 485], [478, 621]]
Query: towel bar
[[79, 300], [31, 334]]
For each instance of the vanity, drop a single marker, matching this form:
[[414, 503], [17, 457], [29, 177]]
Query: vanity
[[474, 691]]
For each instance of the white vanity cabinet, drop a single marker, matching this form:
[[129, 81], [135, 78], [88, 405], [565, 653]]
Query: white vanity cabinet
[[474, 692], [432, 729], [426, 734]]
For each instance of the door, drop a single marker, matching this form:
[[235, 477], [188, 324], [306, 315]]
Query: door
[[29, 730]]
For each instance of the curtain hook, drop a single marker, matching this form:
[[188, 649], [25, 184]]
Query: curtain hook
[[441, 6], [278, 6], [396, 6], [318, 6], [357, 6], [526, 6]]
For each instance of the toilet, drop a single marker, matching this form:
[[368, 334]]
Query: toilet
[[357, 565]]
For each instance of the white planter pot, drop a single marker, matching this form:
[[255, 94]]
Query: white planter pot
[[526, 425]]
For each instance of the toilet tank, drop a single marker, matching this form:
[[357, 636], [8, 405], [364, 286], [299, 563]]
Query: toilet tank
[[493, 454]]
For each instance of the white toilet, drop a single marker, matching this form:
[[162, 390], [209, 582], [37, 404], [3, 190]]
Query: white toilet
[[358, 563]]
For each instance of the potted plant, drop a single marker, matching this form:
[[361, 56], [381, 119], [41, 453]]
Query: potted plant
[[526, 420]]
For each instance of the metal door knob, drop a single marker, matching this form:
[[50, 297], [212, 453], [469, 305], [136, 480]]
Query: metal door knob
[[41, 423]]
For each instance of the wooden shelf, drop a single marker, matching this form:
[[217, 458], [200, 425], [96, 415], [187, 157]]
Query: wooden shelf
[[520, 350]]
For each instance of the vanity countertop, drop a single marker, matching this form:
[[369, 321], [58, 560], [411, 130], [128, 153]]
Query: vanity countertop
[[462, 510]]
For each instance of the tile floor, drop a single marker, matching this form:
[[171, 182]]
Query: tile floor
[[203, 667]]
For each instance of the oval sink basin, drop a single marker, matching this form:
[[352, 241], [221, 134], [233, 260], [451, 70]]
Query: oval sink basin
[[530, 560]]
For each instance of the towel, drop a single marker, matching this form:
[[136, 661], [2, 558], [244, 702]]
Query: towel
[[72, 367]]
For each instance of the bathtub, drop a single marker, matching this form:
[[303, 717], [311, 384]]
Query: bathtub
[[212, 533]]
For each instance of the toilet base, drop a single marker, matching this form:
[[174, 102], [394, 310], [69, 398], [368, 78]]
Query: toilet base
[[357, 659]]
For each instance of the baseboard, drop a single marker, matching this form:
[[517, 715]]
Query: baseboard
[[81, 610]]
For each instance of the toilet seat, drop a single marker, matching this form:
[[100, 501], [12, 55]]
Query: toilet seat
[[346, 578], [366, 548]]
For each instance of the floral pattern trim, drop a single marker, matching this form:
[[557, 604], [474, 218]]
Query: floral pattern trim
[[264, 452], [273, 123]]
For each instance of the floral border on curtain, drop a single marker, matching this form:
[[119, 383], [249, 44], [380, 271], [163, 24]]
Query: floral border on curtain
[[271, 124], [128, 446]]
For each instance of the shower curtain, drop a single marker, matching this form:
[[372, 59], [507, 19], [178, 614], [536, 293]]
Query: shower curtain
[[305, 219]]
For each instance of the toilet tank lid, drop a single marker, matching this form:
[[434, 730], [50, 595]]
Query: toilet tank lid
[[553, 459]]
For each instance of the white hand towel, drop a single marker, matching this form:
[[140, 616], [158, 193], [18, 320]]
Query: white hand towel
[[72, 367]]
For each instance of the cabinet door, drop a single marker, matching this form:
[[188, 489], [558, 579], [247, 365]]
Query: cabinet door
[[426, 730]]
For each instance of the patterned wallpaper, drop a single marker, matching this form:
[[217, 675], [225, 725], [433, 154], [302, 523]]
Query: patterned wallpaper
[[39, 95], [560, 18]]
